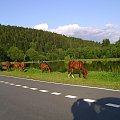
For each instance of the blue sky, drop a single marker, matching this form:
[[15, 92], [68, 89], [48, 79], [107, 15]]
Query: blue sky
[[87, 19]]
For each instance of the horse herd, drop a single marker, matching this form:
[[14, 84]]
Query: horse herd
[[17, 66], [72, 65]]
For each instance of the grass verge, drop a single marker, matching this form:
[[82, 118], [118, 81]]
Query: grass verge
[[96, 79]]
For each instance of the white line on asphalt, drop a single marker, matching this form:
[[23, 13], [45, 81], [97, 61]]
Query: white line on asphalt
[[43, 90], [6, 82], [34, 88], [17, 85], [1, 81], [70, 96], [25, 87], [55, 93], [12, 84], [66, 84], [113, 105]]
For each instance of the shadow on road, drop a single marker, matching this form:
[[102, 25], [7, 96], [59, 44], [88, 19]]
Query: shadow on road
[[102, 109]]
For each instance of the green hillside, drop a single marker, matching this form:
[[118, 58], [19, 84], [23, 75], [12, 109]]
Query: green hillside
[[50, 46]]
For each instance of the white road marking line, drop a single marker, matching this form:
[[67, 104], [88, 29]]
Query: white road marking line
[[34, 80], [1, 81], [43, 90], [89, 100], [34, 88], [25, 87], [17, 85], [6, 82], [55, 93], [70, 96], [66, 84], [12, 84], [113, 105]]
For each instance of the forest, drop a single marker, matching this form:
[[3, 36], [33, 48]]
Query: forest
[[27, 44]]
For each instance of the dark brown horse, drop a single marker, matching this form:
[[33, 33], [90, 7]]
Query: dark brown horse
[[45, 67], [8, 65], [78, 65]]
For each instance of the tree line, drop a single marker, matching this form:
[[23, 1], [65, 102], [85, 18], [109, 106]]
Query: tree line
[[25, 44]]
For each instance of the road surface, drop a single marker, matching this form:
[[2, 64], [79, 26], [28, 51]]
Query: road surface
[[27, 99]]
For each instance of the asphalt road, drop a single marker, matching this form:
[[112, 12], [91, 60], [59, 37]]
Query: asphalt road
[[26, 99]]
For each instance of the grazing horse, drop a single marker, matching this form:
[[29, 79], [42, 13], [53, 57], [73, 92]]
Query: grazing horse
[[23, 66], [78, 65], [17, 65], [45, 66], [8, 65], [0, 66]]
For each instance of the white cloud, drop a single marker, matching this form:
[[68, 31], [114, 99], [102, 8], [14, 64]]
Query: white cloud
[[109, 31], [41, 27], [69, 30]]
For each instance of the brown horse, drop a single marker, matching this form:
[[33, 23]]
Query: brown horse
[[45, 67], [23, 66], [78, 65], [17, 66], [8, 65], [0, 66]]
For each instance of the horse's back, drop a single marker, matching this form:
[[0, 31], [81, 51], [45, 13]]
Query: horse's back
[[75, 64], [45, 66], [17, 65], [8, 63]]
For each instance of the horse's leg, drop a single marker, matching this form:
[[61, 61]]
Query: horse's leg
[[72, 73], [79, 73], [69, 72]]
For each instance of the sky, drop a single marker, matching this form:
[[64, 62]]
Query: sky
[[87, 19]]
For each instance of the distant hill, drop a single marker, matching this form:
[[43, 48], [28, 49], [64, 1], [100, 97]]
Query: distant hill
[[41, 41], [32, 44]]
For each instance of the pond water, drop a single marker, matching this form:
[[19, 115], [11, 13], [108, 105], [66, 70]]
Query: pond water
[[109, 66], [61, 66]]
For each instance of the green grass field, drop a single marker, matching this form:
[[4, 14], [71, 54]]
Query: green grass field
[[96, 79]]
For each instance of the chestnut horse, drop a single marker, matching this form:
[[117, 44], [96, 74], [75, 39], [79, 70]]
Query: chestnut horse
[[8, 65], [78, 65], [23, 66], [17, 66], [45, 67]]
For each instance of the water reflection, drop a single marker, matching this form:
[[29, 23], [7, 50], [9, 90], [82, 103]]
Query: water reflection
[[110, 66]]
